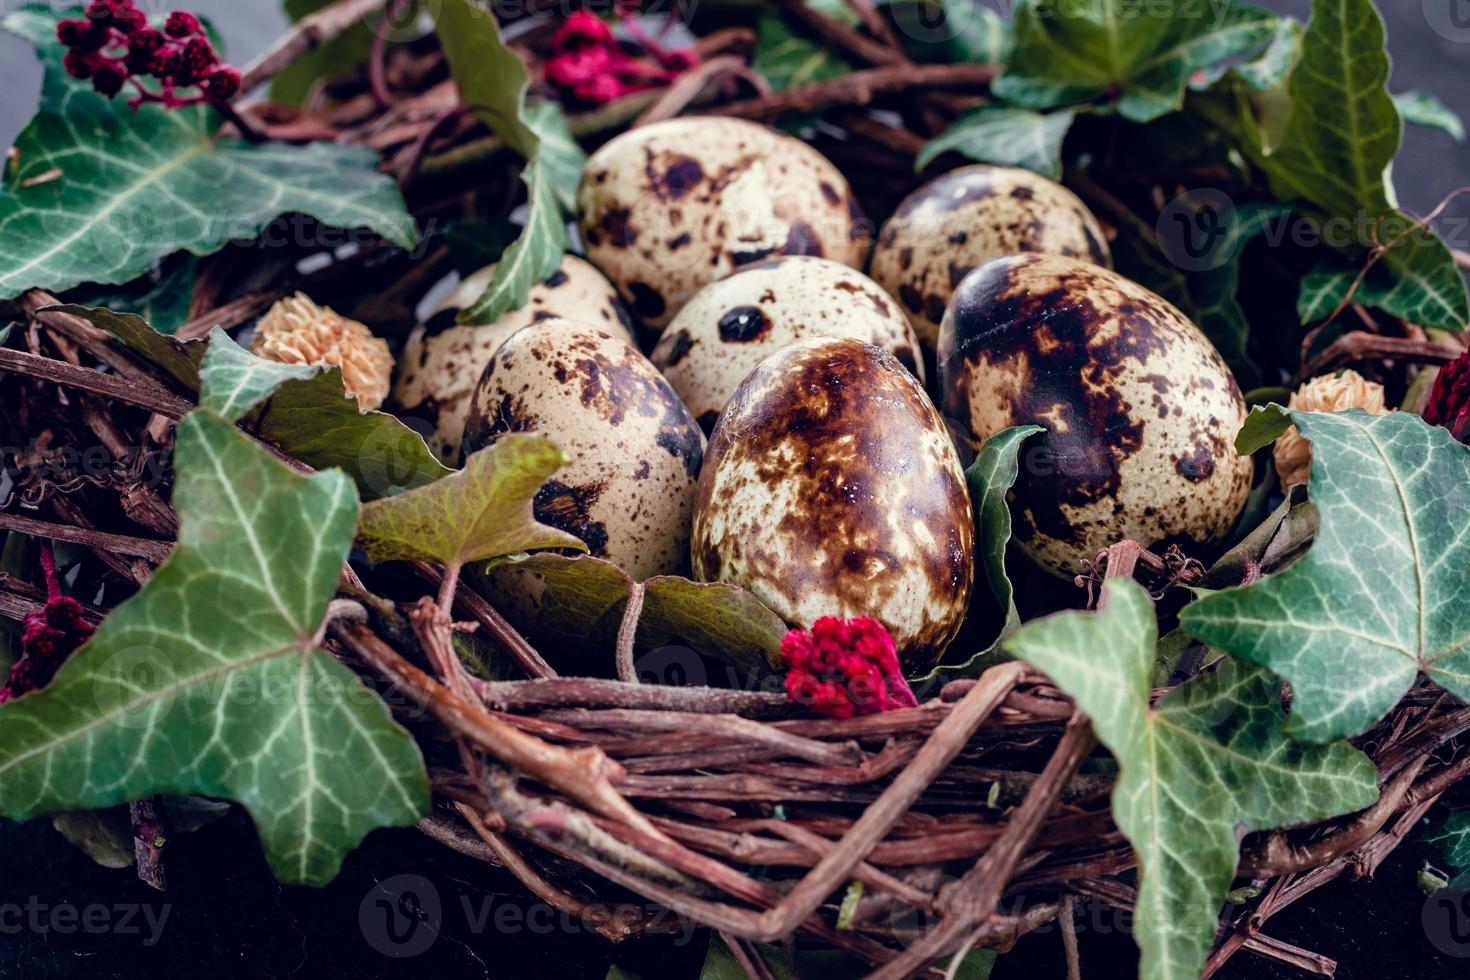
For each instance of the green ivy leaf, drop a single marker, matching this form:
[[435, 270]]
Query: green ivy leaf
[[492, 82], [580, 602], [1205, 764], [787, 58], [210, 679], [1423, 109], [162, 296], [336, 56], [311, 417], [979, 35], [1069, 52], [233, 380], [482, 511], [135, 186], [1450, 841], [1378, 598], [1339, 160], [1006, 136], [991, 477]]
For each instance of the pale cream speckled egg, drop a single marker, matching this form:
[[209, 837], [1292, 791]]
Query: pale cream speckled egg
[[670, 207], [633, 450], [442, 360], [967, 217], [832, 488], [732, 325], [1141, 413]]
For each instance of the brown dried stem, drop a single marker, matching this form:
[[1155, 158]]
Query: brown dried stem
[[129, 391], [859, 88], [308, 34], [154, 551]]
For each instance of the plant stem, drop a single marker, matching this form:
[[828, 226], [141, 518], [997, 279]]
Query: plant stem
[[859, 88], [308, 34], [154, 551]]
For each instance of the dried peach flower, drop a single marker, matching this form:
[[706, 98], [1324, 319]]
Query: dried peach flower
[[1329, 393], [297, 331]]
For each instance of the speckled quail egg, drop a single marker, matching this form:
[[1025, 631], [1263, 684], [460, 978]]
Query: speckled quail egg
[[967, 217], [730, 326], [633, 450], [1140, 411], [670, 207], [442, 360], [832, 488]]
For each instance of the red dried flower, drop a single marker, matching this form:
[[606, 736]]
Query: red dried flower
[[50, 635], [181, 23], [843, 668], [1449, 399], [589, 64], [114, 46]]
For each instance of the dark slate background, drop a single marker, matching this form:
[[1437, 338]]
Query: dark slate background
[[224, 916]]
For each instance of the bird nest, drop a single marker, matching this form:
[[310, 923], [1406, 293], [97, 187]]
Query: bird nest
[[905, 838]]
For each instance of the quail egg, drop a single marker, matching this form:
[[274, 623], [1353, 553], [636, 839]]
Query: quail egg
[[1140, 411], [442, 360], [670, 207], [633, 450], [730, 326], [832, 488], [967, 217]]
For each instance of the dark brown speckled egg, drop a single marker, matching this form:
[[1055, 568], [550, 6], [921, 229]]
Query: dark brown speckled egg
[[832, 488], [732, 325], [633, 450], [1140, 411], [967, 217], [667, 208]]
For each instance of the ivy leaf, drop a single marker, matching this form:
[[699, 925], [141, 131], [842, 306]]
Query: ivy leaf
[[311, 418], [1205, 764], [1379, 597], [979, 34], [1450, 841], [1423, 109], [1068, 52], [233, 380], [492, 82], [1339, 160], [991, 477], [787, 58], [336, 56], [580, 603], [170, 695], [482, 511], [103, 192], [1006, 136], [162, 296]]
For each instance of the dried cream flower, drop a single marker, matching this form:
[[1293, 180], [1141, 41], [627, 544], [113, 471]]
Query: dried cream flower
[[297, 331], [1325, 394]]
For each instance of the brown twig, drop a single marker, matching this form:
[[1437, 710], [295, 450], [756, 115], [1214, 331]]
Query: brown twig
[[132, 392], [491, 622], [154, 551], [1359, 345], [839, 35], [689, 85], [584, 774], [859, 88], [628, 635]]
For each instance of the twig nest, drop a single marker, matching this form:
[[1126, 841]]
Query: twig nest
[[442, 360], [730, 326], [670, 207], [964, 219], [632, 449], [1329, 393], [1140, 411], [297, 331], [832, 488]]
